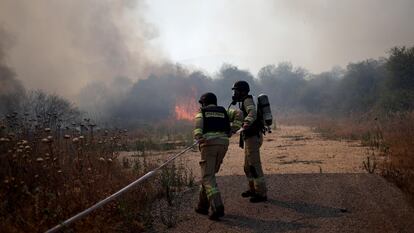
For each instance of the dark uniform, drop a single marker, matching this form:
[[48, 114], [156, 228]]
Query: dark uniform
[[213, 129]]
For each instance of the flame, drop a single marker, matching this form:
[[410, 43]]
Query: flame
[[186, 106], [183, 113]]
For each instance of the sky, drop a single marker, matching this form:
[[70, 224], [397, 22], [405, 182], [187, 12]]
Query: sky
[[314, 34], [63, 46]]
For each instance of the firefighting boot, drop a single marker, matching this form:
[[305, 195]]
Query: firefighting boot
[[260, 188], [251, 192], [217, 213], [217, 207], [258, 198], [203, 203]]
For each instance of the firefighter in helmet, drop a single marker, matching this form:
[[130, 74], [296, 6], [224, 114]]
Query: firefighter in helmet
[[213, 127], [251, 139]]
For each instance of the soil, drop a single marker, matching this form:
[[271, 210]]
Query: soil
[[314, 185], [289, 150]]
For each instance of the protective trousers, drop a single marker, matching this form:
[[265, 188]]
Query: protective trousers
[[211, 159], [253, 166]]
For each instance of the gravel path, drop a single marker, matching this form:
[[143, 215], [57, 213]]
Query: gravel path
[[315, 185], [307, 203]]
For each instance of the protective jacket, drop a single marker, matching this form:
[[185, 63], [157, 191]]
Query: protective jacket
[[252, 140], [251, 119], [215, 121]]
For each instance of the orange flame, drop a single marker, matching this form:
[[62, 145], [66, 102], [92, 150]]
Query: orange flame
[[186, 106]]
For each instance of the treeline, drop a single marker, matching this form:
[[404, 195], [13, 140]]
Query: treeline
[[374, 85], [383, 85]]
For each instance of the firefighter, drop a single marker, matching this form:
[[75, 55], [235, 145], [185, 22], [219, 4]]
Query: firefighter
[[251, 139], [213, 127]]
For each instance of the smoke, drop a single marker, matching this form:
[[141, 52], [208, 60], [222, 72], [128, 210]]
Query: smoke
[[316, 34], [97, 97], [100, 52], [337, 32], [155, 98], [61, 46], [225, 79], [11, 90]]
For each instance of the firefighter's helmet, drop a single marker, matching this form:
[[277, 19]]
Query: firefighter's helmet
[[208, 98], [241, 86]]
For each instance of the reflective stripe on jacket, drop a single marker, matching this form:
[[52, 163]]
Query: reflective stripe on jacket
[[236, 122]]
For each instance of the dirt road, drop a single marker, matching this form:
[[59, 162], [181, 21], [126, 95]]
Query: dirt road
[[315, 185]]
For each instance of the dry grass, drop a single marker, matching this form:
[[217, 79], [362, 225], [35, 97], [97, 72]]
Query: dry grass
[[398, 135], [49, 172], [390, 141], [352, 128]]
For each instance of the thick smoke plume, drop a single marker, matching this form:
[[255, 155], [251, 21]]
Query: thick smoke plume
[[157, 97], [11, 90], [98, 53], [61, 46]]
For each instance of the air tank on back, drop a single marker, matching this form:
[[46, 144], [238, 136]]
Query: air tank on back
[[264, 106]]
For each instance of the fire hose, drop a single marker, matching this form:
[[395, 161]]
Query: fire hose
[[117, 194]]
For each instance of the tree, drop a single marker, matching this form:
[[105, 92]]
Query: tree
[[398, 88], [227, 76], [282, 84], [358, 91], [316, 95], [49, 109]]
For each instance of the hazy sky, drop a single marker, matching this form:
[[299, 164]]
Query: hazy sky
[[315, 34], [61, 46]]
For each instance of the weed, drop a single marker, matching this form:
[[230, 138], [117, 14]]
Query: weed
[[370, 165], [51, 169]]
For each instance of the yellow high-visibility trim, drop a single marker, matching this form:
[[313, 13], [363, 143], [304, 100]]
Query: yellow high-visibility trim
[[214, 114], [198, 131], [216, 135], [237, 123], [249, 119], [231, 113], [250, 107], [210, 191], [259, 180]]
